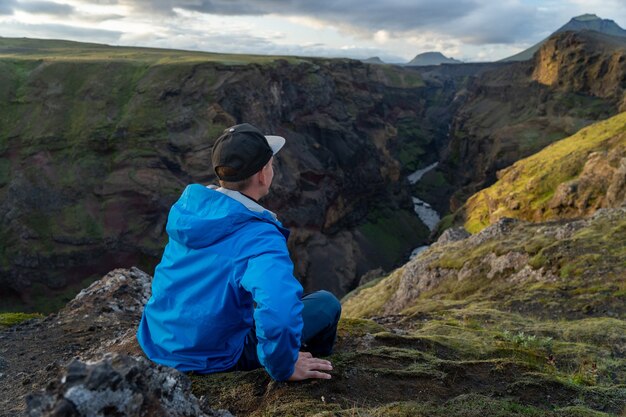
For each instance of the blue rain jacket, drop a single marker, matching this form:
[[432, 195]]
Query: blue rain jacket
[[225, 269]]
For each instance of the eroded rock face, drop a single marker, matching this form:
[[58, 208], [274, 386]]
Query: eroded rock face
[[452, 234], [117, 385], [426, 271], [602, 183], [85, 360], [417, 277], [514, 111], [109, 179], [599, 58]]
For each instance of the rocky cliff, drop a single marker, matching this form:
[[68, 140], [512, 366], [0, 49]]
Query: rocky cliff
[[545, 302], [85, 361], [588, 63], [571, 178], [517, 109], [97, 142]]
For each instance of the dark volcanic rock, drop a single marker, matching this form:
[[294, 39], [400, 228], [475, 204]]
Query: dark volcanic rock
[[83, 192], [117, 385], [102, 319], [87, 359]]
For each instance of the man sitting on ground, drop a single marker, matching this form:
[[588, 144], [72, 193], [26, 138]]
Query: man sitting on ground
[[224, 297]]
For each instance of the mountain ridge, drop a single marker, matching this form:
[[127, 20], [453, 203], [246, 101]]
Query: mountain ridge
[[589, 22]]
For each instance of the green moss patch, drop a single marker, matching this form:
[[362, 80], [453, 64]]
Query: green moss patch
[[372, 299], [12, 319]]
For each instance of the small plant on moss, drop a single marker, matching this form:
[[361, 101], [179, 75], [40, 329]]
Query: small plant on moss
[[471, 323], [524, 340], [586, 374]]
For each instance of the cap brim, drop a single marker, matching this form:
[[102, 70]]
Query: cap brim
[[275, 142]]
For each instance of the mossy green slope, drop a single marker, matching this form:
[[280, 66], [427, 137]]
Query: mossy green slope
[[570, 178]]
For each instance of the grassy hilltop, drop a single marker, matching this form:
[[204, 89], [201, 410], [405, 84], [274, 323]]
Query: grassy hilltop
[[62, 50]]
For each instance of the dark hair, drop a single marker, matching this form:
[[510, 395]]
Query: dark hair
[[232, 185]]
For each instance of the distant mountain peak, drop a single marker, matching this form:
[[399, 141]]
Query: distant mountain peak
[[586, 17], [432, 58], [593, 22], [373, 60]]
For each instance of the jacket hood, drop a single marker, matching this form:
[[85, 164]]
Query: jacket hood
[[203, 216]]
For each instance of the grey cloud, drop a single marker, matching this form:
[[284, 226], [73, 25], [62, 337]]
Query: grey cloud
[[498, 25], [250, 44], [470, 20], [45, 7], [100, 17], [393, 15], [7, 6], [54, 31]]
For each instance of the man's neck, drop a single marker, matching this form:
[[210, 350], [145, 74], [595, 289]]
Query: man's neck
[[253, 193]]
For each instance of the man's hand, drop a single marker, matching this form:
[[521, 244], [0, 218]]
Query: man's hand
[[309, 367]]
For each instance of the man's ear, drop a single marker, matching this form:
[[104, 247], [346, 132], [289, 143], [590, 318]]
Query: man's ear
[[263, 175]]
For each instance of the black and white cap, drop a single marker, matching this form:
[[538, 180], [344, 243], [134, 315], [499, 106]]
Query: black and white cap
[[245, 150]]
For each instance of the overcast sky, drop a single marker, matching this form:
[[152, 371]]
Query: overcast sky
[[394, 30]]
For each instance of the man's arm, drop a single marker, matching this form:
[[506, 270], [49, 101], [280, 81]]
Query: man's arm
[[278, 313]]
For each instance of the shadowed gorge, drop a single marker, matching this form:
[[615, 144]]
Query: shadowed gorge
[[98, 142]]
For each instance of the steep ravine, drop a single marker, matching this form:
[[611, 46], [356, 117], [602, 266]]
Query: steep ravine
[[94, 151], [93, 154]]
